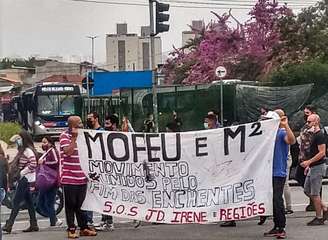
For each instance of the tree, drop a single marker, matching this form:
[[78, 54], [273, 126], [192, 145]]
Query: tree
[[221, 44], [17, 62], [303, 37]]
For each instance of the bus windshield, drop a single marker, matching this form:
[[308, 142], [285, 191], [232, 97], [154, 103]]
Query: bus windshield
[[56, 105]]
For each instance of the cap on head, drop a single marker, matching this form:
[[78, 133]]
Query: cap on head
[[280, 112], [272, 115], [211, 116]]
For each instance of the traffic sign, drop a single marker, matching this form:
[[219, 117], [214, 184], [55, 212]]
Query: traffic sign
[[221, 72], [91, 83]]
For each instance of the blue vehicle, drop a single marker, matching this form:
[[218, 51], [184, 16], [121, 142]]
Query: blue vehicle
[[45, 108]]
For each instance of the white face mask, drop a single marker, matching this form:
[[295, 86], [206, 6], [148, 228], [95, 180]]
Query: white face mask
[[19, 142], [205, 125]]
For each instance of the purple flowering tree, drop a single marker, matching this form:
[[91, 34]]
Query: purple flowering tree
[[249, 45]]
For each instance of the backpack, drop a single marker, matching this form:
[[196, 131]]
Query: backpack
[[325, 133]]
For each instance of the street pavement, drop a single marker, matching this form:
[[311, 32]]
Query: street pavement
[[296, 229]]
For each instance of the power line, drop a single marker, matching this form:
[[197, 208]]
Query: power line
[[190, 4], [71, 68], [224, 3]]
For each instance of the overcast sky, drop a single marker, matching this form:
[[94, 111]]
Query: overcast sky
[[60, 27]]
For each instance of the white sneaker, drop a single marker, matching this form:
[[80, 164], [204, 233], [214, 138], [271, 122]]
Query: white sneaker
[[58, 223], [103, 226]]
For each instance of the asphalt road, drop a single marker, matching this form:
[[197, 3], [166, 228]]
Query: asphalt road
[[296, 229]]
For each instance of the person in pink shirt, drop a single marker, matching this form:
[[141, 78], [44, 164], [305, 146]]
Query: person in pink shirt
[[73, 180]]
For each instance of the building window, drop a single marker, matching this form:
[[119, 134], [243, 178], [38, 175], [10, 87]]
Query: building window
[[145, 56], [121, 55]]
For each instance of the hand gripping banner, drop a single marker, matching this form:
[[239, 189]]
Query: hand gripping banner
[[188, 177]]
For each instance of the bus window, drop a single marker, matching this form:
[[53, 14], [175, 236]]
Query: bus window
[[48, 105], [66, 105]]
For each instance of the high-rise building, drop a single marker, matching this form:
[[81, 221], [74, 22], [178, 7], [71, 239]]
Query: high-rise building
[[196, 25], [130, 52]]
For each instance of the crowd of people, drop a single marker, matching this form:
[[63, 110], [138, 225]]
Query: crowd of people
[[23, 171]]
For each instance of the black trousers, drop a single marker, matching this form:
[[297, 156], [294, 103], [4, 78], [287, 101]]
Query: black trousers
[[74, 196], [279, 217], [23, 193]]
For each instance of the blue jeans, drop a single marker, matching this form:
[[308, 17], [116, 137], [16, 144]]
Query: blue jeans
[[2, 196], [46, 204], [89, 216]]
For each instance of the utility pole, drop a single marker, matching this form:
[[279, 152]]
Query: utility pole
[[160, 27], [92, 67], [153, 64]]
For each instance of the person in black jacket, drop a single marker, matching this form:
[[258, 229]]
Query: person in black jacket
[[3, 179]]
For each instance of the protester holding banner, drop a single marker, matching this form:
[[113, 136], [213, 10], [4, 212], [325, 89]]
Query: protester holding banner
[[73, 180], [92, 123], [284, 138], [211, 122], [106, 224], [314, 169]]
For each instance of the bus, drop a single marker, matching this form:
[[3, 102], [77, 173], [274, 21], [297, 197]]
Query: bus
[[45, 108]]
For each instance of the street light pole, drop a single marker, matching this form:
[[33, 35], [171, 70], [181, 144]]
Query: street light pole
[[221, 101], [221, 72], [92, 67]]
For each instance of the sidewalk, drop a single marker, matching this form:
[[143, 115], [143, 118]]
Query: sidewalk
[[296, 229]]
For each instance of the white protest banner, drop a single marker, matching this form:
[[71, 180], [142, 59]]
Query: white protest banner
[[189, 177]]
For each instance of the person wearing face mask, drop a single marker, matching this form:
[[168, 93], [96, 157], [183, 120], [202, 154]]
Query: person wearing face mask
[[47, 197], [106, 224], [73, 180], [111, 123], [210, 121], [149, 124], [22, 171], [93, 121]]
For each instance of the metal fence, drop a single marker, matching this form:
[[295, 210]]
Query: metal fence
[[190, 102]]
